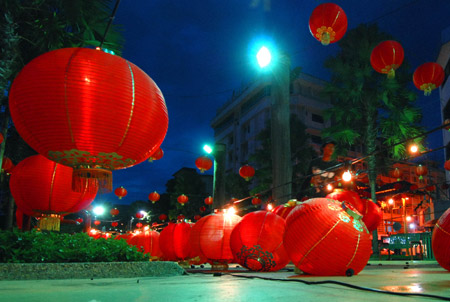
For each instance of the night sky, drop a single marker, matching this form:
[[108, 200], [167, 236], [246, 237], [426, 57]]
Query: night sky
[[199, 51]]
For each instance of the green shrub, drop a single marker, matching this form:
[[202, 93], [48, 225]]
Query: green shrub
[[35, 247]]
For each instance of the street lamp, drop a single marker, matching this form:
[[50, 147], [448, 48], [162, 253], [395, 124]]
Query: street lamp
[[207, 149], [264, 57]]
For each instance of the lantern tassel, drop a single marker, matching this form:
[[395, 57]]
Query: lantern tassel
[[50, 222], [325, 39], [89, 179], [391, 73]]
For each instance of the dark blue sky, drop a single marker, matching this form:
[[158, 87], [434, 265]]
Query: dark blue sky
[[198, 52]]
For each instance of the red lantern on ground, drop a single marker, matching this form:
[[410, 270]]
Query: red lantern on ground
[[182, 199], [421, 171], [163, 217], [256, 201], [284, 209], [7, 165], [440, 241], [386, 57], [397, 173], [428, 77], [114, 212], [153, 197], [174, 241], [43, 188], [257, 242], [139, 225], [89, 110], [203, 163], [247, 172], [349, 197], [146, 242], [139, 215], [79, 220], [197, 217], [208, 200], [372, 214], [324, 237], [328, 23], [210, 238], [157, 155], [120, 192], [97, 222], [114, 224], [447, 165]]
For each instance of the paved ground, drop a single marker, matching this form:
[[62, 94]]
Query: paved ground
[[422, 277]]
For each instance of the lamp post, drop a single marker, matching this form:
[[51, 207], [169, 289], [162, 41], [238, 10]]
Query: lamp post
[[218, 153], [280, 128]]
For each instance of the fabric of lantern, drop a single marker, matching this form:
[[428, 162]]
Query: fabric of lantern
[[322, 238], [210, 237], [153, 197], [41, 186], [428, 77], [174, 241], [163, 217], [208, 200], [246, 172], [440, 241], [114, 212], [203, 163], [146, 242], [257, 242], [349, 197], [386, 57], [157, 155], [182, 199], [90, 110], [328, 23], [372, 215], [120, 192]]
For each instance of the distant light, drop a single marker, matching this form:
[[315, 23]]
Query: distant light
[[408, 218], [347, 176], [412, 225], [391, 201], [269, 207], [207, 149], [230, 211], [143, 213], [329, 187], [98, 210], [264, 57], [413, 148]]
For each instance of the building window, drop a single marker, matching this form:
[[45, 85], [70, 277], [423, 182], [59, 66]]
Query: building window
[[317, 118]]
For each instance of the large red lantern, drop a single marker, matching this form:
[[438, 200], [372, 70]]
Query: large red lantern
[[153, 197], [247, 172], [440, 242], [284, 209], [121, 192], [174, 241], [203, 163], [43, 188], [89, 110], [146, 242], [182, 199], [386, 57], [372, 214], [328, 23], [157, 155], [210, 238], [428, 77], [421, 171], [163, 217], [257, 242], [114, 212], [326, 237], [349, 197]]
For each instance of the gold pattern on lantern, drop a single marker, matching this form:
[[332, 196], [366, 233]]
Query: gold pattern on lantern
[[388, 68], [440, 228], [325, 34], [78, 158], [334, 207], [427, 88], [356, 249]]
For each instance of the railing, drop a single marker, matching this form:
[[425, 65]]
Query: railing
[[411, 241]]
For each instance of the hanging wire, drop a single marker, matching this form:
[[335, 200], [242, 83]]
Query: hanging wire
[[113, 14]]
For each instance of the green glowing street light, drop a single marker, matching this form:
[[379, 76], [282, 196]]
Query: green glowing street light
[[207, 149], [264, 57]]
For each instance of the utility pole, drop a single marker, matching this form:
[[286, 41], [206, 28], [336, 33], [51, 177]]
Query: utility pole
[[219, 174]]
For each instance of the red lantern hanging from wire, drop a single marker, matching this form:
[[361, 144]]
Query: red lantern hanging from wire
[[328, 23], [203, 163], [97, 222], [421, 171], [386, 57], [256, 201], [447, 165], [181, 217], [197, 217], [182, 199], [163, 217], [153, 197], [114, 224], [397, 173], [121, 192], [157, 155], [139, 215], [202, 209], [139, 225], [428, 77], [208, 200], [7, 165], [1, 138], [247, 172], [89, 110], [114, 212], [79, 220]]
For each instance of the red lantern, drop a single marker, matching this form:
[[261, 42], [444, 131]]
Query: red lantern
[[447, 123], [43, 188], [386, 57], [163, 217], [89, 110], [413, 187], [120, 192], [430, 188], [208, 200], [139, 225], [97, 222], [428, 77], [174, 241], [114, 212], [146, 242], [256, 201], [421, 171], [284, 209], [397, 186], [440, 242], [181, 217], [247, 172], [139, 215], [372, 214], [157, 155], [79, 220], [210, 238], [324, 237], [447, 165], [202, 209], [1, 138], [182, 199], [328, 23], [349, 197], [257, 242], [153, 197], [7, 165], [203, 163], [114, 224], [397, 173], [197, 217]]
